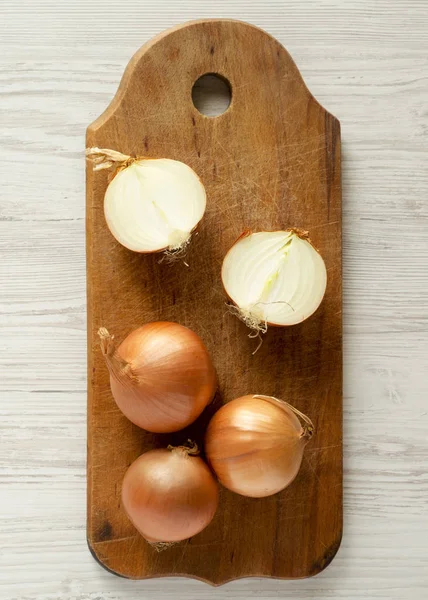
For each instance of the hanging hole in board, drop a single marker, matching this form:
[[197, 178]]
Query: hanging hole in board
[[211, 95]]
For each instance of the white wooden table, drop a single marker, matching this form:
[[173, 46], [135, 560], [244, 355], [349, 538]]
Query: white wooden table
[[60, 64]]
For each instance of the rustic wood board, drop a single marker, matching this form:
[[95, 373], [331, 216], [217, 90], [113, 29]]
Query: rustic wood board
[[272, 160]]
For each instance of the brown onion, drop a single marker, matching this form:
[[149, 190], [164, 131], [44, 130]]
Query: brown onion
[[169, 495], [161, 375], [255, 444]]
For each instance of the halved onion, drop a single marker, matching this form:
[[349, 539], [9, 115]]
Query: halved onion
[[274, 278], [151, 204], [154, 205]]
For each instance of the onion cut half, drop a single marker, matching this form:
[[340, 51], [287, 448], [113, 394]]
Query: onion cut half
[[274, 278], [154, 204]]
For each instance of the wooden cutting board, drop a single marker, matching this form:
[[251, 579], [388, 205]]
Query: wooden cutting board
[[271, 161]]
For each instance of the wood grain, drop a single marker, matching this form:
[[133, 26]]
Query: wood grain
[[60, 65], [271, 161]]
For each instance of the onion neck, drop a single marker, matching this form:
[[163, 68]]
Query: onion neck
[[301, 233], [308, 428], [191, 449], [104, 158], [118, 367]]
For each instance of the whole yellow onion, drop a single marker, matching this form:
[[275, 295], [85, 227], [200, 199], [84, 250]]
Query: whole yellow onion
[[255, 444], [169, 494], [161, 375]]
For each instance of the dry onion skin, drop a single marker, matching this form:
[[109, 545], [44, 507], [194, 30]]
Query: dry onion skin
[[274, 278], [255, 444], [151, 205], [169, 494], [161, 375]]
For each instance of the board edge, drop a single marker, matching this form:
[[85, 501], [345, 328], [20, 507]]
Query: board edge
[[115, 102]]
